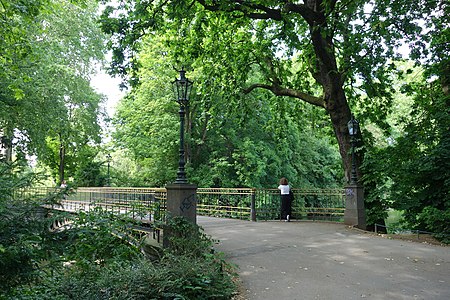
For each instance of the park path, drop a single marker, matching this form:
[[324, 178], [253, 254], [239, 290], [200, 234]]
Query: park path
[[310, 260]]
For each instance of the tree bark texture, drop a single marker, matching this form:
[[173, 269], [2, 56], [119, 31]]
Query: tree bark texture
[[335, 100]]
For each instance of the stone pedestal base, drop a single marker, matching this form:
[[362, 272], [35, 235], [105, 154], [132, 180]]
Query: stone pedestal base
[[355, 214], [182, 201]]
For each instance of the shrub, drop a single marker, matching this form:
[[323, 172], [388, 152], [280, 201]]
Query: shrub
[[174, 277], [95, 255], [105, 263], [436, 221]]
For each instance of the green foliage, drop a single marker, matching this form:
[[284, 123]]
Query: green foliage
[[410, 170], [186, 238], [412, 174], [96, 255], [25, 239], [436, 221], [234, 140], [394, 219], [422, 176], [99, 237], [377, 186], [90, 173], [125, 171], [77, 111], [22, 244], [187, 270], [48, 51], [176, 277], [14, 176]]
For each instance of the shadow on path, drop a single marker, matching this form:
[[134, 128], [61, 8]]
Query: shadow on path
[[308, 260]]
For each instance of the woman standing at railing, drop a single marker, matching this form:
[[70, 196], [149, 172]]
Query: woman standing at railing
[[63, 188], [286, 200]]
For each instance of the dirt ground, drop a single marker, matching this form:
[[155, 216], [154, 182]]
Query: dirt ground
[[422, 238]]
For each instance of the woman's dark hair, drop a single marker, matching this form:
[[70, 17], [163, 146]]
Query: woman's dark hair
[[283, 181]]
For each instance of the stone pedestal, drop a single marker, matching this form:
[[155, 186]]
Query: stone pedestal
[[182, 201], [355, 214]]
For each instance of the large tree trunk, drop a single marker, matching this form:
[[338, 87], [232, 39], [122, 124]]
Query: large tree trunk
[[340, 114], [335, 101]]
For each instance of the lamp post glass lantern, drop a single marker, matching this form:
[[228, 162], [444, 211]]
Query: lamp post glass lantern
[[182, 88], [353, 128]]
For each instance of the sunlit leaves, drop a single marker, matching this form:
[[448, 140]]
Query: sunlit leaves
[[49, 51], [232, 139]]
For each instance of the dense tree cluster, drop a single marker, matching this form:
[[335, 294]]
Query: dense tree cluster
[[340, 57], [48, 51], [235, 140], [275, 85]]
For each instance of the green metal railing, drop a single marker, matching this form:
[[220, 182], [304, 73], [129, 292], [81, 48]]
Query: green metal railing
[[149, 204], [225, 202], [34, 193], [145, 204], [308, 204]]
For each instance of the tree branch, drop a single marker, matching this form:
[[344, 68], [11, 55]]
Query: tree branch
[[262, 12], [280, 91]]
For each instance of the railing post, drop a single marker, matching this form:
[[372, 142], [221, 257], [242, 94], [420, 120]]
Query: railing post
[[253, 206]]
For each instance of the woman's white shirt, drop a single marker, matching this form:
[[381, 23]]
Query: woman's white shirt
[[284, 189]]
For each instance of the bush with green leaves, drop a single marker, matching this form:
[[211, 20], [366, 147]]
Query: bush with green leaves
[[25, 238], [188, 269], [173, 277], [186, 238], [99, 237], [436, 221], [96, 255]]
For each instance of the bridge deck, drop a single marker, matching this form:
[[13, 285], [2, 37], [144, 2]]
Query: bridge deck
[[311, 260]]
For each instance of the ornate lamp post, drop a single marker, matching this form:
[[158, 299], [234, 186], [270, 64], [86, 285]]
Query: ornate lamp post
[[182, 88], [108, 159], [354, 214], [181, 196], [353, 128]]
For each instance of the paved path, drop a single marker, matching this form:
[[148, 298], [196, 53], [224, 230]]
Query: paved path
[[306, 260]]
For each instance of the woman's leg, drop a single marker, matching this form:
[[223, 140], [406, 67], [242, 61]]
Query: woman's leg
[[284, 206]]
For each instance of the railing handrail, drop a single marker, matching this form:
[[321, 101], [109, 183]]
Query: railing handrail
[[201, 189], [121, 189]]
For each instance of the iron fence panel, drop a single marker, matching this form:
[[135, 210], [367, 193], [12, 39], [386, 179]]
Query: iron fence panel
[[149, 204], [224, 202], [310, 204]]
